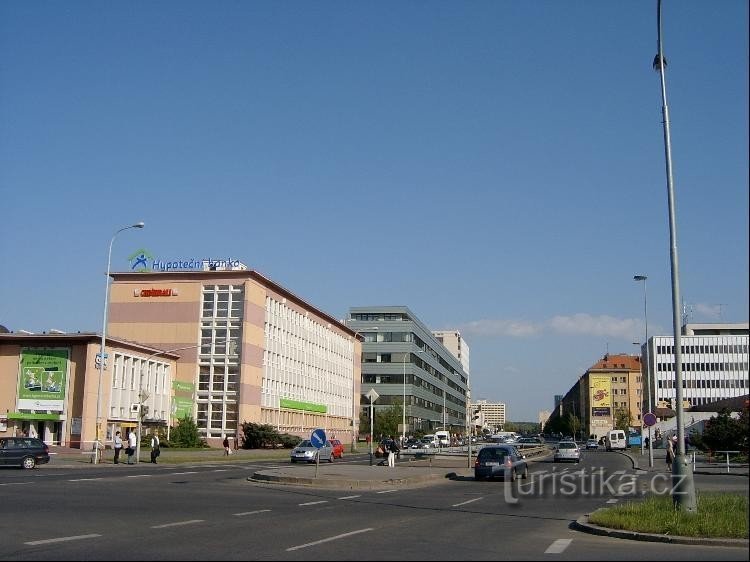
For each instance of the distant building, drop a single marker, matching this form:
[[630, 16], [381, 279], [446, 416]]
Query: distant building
[[456, 344], [493, 414], [543, 417]]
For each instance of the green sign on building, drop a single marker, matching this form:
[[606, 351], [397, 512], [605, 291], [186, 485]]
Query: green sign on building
[[183, 400], [44, 374]]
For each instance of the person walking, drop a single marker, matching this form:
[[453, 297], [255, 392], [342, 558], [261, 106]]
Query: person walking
[[227, 450], [132, 445], [670, 453], [392, 450], [117, 442], [155, 450]]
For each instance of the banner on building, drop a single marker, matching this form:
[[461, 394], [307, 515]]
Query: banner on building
[[600, 395], [43, 377]]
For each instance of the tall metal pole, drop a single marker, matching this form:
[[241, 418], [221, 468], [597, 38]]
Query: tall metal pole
[[371, 432], [683, 486], [104, 339], [403, 413]]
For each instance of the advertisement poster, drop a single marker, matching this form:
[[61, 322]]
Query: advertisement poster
[[44, 373], [601, 395], [183, 400]]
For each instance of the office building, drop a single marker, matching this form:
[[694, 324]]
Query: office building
[[401, 357], [456, 344], [493, 414]]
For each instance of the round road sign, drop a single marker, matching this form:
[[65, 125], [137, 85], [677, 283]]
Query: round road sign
[[649, 419]]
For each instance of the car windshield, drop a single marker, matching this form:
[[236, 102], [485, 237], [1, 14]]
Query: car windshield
[[305, 444], [567, 445]]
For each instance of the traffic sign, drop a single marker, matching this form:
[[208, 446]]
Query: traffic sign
[[318, 438], [649, 419], [372, 395]]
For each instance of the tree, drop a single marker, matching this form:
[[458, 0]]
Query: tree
[[185, 434], [723, 433], [623, 419], [574, 424], [386, 421], [258, 436]]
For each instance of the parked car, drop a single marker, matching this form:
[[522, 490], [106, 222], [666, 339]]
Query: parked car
[[413, 443], [503, 461], [305, 451], [338, 448], [429, 442], [567, 451], [592, 444], [26, 452]]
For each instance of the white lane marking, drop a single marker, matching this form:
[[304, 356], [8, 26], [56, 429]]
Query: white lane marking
[[62, 539], [219, 470], [558, 546], [612, 501], [84, 479], [139, 476], [15, 483], [349, 497], [251, 512], [321, 541], [467, 501], [179, 473], [387, 491], [177, 523], [314, 503]]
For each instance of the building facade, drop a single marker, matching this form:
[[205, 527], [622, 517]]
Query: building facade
[[401, 359], [714, 364], [253, 351], [456, 344], [50, 386], [492, 414]]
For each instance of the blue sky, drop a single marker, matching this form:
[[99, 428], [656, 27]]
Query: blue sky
[[497, 167]]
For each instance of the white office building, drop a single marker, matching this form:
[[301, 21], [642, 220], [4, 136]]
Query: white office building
[[453, 342], [492, 414], [714, 363]]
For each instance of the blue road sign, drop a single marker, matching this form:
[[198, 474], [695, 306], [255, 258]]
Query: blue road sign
[[318, 438]]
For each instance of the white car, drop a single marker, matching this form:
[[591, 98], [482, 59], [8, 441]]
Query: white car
[[567, 451]]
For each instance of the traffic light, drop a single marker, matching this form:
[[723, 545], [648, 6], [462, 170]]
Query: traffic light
[[476, 414]]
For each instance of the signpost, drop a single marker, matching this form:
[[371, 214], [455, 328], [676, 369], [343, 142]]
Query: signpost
[[372, 395], [318, 439]]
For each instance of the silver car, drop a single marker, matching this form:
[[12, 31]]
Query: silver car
[[567, 451], [305, 452]]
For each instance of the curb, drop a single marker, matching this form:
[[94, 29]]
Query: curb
[[582, 524]]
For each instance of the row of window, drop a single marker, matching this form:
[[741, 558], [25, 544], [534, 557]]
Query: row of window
[[705, 383], [710, 348], [380, 317], [705, 367]]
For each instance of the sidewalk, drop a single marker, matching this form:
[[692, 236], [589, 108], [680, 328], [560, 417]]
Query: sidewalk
[[702, 465]]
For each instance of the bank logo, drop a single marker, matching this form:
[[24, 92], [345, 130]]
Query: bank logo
[[139, 260]]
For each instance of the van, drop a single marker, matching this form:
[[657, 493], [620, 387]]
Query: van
[[429, 441], [615, 440], [443, 438]]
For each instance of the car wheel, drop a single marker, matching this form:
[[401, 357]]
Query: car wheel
[[294, 461], [330, 458], [525, 473], [513, 475], [28, 462]]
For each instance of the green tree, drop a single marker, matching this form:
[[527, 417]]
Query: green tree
[[185, 434], [574, 424], [258, 436], [386, 421], [623, 419], [723, 433]]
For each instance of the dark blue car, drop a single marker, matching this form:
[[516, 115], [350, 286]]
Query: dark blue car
[[500, 461]]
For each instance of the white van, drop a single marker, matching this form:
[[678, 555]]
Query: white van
[[616, 440], [443, 438]]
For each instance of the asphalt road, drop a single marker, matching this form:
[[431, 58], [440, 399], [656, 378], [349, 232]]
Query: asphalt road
[[211, 512]]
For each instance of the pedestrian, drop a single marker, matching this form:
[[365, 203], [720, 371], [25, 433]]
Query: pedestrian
[[227, 450], [647, 441], [155, 450], [117, 446], [392, 450], [132, 445], [670, 453]]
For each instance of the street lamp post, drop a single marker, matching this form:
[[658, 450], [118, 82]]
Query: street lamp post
[[647, 373], [683, 486], [104, 338]]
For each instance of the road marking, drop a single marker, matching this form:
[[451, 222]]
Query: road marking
[[179, 473], [348, 497], [84, 479], [177, 524], [251, 512], [387, 491], [467, 501], [321, 541], [15, 483], [139, 476], [558, 546], [62, 539], [314, 503], [219, 470], [612, 501]]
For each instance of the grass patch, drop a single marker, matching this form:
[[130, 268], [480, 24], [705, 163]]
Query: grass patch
[[719, 515]]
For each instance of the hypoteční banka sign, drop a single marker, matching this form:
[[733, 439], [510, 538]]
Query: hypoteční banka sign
[[142, 260]]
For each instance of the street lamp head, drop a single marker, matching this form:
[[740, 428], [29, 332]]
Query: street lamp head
[[139, 225], [639, 277]]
